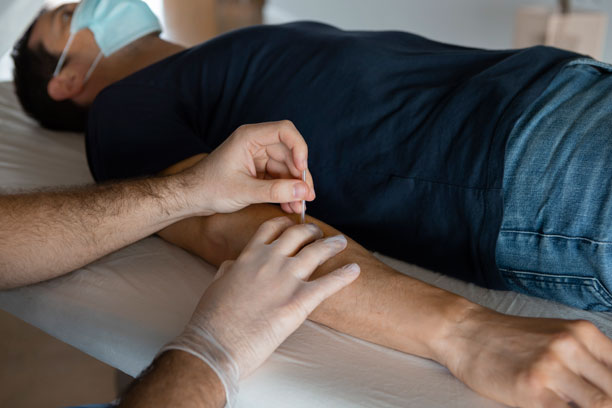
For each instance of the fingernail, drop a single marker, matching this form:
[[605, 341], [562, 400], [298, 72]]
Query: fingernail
[[338, 240], [351, 269], [304, 164], [313, 226], [299, 190]]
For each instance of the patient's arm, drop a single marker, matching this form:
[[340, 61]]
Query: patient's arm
[[370, 308], [514, 360], [377, 302]]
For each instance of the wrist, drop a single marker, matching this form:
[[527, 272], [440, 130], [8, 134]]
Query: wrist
[[195, 192], [176, 379], [184, 194], [202, 376], [459, 323], [201, 344]]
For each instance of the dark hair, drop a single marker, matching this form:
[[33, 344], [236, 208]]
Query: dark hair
[[31, 75]]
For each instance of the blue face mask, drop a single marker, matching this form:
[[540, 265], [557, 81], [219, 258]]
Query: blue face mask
[[114, 24]]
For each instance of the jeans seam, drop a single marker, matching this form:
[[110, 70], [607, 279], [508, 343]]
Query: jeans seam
[[590, 61], [592, 241]]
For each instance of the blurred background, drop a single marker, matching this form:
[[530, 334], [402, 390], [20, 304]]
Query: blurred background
[[476, 23], [39, 371]]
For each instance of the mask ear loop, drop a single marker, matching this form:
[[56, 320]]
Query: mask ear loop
[[93, 66], [62, 59]]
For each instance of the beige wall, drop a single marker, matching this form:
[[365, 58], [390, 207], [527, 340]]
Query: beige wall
[[190, 22], [476, 23]]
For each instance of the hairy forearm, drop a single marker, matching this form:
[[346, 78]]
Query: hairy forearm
[[382, 306], [46, 234], [176, 379]]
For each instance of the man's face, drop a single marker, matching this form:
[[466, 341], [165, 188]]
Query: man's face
[[52, 30]]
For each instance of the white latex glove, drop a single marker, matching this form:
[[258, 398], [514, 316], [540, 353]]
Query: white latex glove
[[258, 300], [259, 163]]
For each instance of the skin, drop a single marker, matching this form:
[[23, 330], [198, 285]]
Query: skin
[[176, 379], [47, 234], [52, 30], [278, 260], [517, 361], [90, 222], [37, 228]]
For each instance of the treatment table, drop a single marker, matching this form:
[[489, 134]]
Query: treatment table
[[122, 308]]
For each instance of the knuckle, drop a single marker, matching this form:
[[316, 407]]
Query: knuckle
[[564, 343], [248, 255], [242, 128], [302, 232], [287, 123], [275, 192], [295, 309], [322, 246], [237, 134], [294, 229], [314, 230], [306, 228], [583, 327], [534, 380], [538, 375], [273, 224], [547, 363]]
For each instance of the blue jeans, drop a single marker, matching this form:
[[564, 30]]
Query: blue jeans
[[556, 234]]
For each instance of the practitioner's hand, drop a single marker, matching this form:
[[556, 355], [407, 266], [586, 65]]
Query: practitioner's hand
[[256, 301], [260, 163], [529, 362]]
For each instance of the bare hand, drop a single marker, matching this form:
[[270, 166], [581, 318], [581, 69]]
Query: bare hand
[[529, 362], [259, 163]]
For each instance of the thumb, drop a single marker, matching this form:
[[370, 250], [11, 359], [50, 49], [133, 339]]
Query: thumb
[[277, 191], [315, 292]]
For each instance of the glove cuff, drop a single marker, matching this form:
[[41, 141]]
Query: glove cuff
[[200, 343]]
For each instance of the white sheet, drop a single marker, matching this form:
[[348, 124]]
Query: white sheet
[[122, 308]]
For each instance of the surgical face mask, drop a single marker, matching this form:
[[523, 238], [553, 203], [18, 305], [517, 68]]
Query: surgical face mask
[[114, 24]]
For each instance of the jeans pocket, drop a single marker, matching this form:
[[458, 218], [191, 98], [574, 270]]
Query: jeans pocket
[[586, 293]]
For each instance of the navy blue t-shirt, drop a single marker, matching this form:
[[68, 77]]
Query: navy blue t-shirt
[[406, 136]]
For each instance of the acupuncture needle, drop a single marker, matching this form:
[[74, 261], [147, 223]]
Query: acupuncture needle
[[303, 215]]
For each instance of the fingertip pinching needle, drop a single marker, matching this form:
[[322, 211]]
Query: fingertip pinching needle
[[303, 215]]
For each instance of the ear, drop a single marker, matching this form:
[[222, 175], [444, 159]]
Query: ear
[[68, 84]]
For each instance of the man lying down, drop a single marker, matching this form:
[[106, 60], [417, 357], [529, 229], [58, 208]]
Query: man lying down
[[490, 166]]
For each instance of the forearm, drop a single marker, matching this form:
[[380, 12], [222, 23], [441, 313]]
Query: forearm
[[382, 306], [176, 379], [46, 234]]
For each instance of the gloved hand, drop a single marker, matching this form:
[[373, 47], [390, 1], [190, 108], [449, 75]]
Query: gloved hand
[[256, 301], [259, 163]]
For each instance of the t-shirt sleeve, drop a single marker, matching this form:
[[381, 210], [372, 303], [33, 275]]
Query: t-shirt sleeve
[[136, 131]]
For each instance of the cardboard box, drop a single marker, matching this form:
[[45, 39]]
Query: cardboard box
[[580, 31]]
